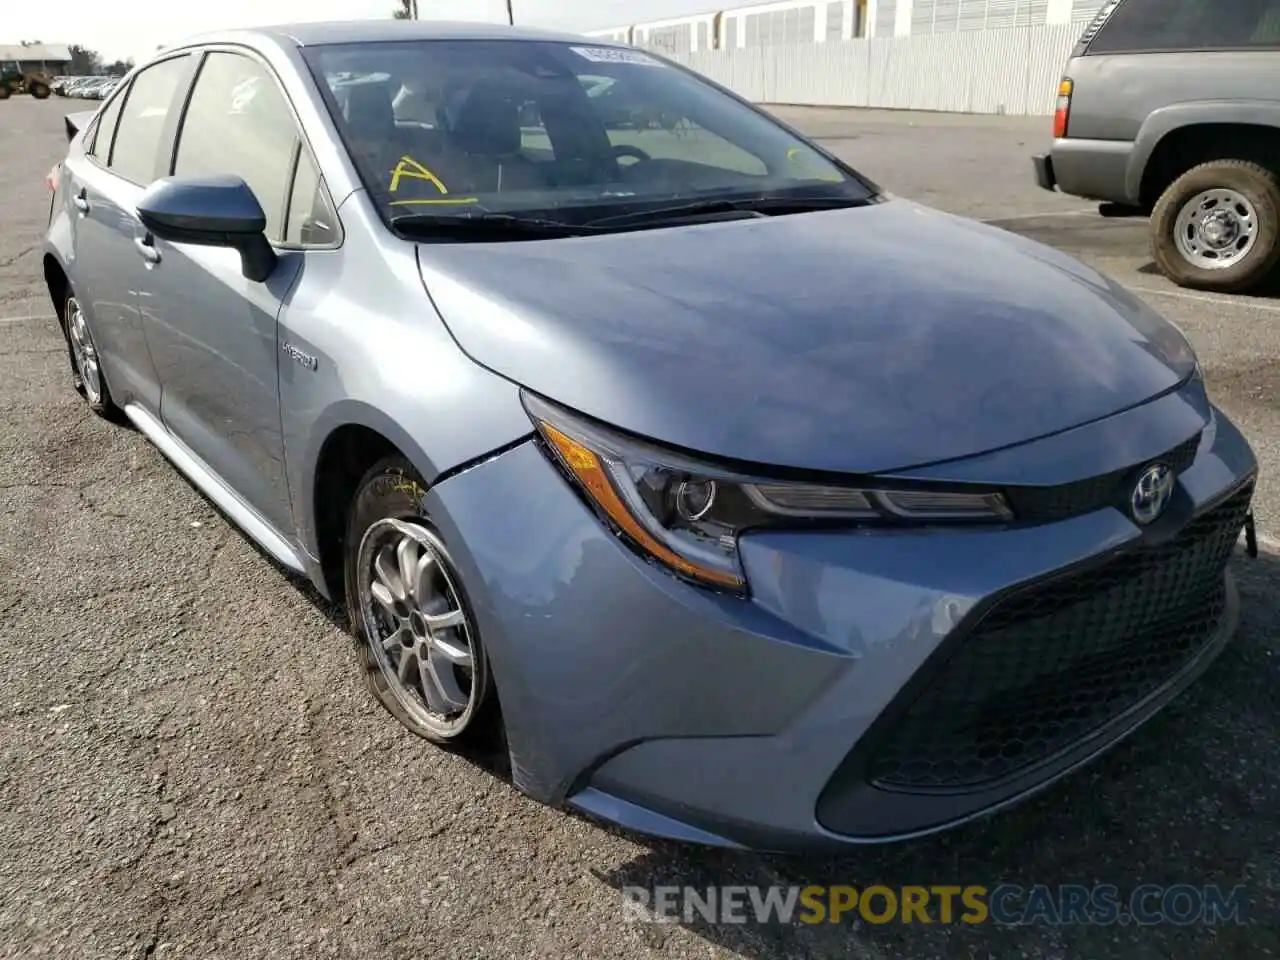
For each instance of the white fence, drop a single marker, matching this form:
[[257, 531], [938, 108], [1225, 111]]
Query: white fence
[[1013, 71]]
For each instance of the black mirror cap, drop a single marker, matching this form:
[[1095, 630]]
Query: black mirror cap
[[214, 211]]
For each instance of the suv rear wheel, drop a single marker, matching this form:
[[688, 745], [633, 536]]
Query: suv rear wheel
[[1217, 227]]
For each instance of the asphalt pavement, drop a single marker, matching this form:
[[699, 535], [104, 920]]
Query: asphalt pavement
[[191, 765]]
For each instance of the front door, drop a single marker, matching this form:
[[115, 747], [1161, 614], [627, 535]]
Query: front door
[[213, 332]]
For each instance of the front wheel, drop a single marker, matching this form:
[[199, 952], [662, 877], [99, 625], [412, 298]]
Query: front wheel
[[39, 90], [1217, 227], [419, 643]]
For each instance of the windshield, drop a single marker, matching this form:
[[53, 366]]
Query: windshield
[[572, 132]]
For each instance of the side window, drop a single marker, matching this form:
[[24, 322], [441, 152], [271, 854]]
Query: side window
[[141, 127], [239, 123], [105, 130], [1154, 25], [311, 219]]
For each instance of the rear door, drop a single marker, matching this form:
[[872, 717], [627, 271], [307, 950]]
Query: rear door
[[127, 147]]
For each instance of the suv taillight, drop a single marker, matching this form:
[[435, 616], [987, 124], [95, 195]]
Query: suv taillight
[[1063, 109]]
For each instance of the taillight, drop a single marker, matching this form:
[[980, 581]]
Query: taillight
[[1064, 108], [51, 180]]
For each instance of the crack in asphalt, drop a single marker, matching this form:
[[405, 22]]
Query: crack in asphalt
[[10, 261]]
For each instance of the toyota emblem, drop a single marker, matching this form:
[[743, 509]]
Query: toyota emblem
[[1151, 494]]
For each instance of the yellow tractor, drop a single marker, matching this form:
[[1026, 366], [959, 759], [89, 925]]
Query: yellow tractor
[[13, 79]]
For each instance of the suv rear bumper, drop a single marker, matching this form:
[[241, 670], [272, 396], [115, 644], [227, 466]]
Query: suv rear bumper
[[1045, 177], [1092, 169]]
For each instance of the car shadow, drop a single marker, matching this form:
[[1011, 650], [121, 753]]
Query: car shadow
[[1188, 799], [1267, 291]]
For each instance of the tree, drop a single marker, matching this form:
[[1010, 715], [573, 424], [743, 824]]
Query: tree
[[84, 62], [511, 17], [408, 10], [118, 68]]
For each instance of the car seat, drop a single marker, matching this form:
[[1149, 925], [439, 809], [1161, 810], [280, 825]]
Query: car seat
[[484, 123]]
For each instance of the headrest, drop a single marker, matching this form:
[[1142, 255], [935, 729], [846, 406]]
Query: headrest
[[486, 121], [369, 113]]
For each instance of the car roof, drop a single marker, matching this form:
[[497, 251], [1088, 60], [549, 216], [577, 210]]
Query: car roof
[[386, 30]]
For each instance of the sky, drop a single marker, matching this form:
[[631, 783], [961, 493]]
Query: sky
[[134, 28]]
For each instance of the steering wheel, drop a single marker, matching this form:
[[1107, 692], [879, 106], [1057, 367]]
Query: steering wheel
[[627, 150]]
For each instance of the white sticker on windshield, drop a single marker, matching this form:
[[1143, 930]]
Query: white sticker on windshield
[[615, 55]]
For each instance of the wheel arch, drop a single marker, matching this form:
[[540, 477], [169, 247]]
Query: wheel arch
[[1176, 138], [351, 438], [59, 285]]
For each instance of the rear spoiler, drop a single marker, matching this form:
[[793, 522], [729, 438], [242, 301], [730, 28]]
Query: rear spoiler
[[75, 122]]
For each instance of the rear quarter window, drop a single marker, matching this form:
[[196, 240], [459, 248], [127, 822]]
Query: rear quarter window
[[104, 131], [1151, 26]]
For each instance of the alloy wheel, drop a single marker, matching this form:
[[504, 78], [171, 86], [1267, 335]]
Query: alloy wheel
[[416, 623], [84, 354]]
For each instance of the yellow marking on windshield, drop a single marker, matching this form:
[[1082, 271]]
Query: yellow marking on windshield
[[409, 167], [436, 202]]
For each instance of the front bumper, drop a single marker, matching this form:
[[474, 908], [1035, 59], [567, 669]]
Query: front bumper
[[787, 722]]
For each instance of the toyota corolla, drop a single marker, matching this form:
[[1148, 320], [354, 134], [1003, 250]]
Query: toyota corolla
[[743, 503]]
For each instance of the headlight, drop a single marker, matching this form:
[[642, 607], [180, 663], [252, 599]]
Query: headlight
[[688, 515]]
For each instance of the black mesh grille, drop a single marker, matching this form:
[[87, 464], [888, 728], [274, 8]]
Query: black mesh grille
[[1110, 489], [1051, 664]]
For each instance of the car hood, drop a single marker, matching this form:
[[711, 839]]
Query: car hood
[[863, 340]]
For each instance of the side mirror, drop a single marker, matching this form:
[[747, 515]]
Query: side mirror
[[219, 211]]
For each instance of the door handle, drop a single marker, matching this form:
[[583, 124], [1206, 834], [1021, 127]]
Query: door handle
[[144, 246], [81, 200]]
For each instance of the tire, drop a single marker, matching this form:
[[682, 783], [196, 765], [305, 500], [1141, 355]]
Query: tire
[[387, 505], [1225, 270], [4, 92], [86, 365], [39, 90]]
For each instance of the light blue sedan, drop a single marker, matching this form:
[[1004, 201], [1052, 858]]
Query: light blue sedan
[[745, 504]]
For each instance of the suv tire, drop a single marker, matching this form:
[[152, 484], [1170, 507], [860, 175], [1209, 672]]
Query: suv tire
[[1257, 185]]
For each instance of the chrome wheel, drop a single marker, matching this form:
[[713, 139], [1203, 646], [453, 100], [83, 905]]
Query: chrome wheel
[[83, 353], [417, 626], [1216, 229]]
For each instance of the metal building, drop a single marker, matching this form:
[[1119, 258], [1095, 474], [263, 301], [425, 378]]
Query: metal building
[[826, 21]]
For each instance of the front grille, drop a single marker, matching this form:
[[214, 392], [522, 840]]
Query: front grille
[[1043, 504], [1052, 663]]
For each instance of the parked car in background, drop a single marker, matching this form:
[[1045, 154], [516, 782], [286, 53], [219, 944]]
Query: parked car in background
[[75, 85], [739, 501], [1170, 109]]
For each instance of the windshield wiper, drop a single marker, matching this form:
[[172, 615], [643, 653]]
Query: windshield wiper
[[764, 206], [481, 223]]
